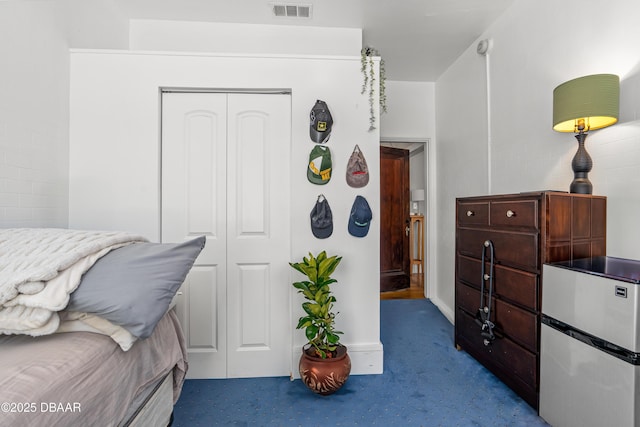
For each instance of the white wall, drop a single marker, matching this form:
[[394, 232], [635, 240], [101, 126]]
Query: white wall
[[536, 46], [34, 101], [33, 115], [115, 149], [220, 37], [417, 171], [410, 111]]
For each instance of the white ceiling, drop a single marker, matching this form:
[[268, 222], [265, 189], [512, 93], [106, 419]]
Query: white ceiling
[[418, 39]]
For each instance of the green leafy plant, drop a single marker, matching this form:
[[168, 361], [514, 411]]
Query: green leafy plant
[[319, 319], [369, 79]]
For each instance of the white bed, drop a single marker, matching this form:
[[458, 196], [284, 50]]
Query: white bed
[[87, 336], [86, 379]]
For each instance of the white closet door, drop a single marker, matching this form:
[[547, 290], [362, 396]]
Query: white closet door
[[225, 174], [259, 331], [194, 194]]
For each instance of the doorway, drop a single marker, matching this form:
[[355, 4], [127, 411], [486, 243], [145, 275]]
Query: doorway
[[413, 211]]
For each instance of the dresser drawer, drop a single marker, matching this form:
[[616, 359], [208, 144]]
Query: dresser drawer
[[503, 356], [517, 286], [519, 325], [515, 213], [473, 213], [518, 250]]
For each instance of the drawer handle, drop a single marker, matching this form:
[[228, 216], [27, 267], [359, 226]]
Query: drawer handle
[[470, 213], [510, 213]]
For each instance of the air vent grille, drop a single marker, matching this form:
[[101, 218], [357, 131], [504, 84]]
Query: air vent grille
[[291, 10]]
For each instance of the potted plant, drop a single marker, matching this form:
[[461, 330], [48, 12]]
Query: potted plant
[[324, 363]]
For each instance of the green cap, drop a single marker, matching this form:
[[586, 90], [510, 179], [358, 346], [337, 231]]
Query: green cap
[[319, 170]]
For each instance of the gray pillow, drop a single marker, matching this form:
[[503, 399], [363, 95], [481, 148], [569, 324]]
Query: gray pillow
[[133, 286]]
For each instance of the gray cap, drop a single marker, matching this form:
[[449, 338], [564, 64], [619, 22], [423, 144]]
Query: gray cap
[[320, 122], [321, 218], [357, 170]]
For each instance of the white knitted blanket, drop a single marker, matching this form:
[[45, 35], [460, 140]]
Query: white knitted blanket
[[40, 267]]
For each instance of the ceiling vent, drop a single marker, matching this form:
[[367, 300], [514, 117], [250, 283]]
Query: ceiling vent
[[291, 10]]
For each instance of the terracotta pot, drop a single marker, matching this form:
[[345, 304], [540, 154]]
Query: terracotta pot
[[324, 376]]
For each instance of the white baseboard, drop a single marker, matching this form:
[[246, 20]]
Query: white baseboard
[[366, 359], [444, 309]]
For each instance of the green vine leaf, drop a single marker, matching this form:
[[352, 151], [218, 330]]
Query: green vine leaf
[[369, 82]]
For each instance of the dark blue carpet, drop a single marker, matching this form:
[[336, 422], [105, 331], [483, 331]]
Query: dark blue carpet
[[426, 382]]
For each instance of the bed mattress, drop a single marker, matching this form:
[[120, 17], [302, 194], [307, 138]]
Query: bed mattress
[[83, 378]]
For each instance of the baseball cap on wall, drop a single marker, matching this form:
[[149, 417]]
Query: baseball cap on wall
[[320, 122], [360, 217], [321, 218], [357, 170], [319, 170]]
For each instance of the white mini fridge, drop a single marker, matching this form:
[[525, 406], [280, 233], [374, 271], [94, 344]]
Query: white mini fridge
[[590, 343]]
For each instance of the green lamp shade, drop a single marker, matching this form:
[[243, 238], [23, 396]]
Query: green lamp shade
[[595, 98]]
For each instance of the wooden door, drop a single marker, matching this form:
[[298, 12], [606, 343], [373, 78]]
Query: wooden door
[[225, 175], [394, 219]]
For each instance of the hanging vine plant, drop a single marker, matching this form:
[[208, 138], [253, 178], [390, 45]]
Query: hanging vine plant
[[369, 82]]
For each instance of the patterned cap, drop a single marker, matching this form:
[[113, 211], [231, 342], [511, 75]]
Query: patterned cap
[[319, 170], [320, 122]]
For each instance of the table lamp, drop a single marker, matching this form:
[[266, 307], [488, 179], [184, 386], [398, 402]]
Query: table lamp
[[583, 104], [417, 196]]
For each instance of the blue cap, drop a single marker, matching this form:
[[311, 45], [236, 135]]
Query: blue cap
[[360, 217]]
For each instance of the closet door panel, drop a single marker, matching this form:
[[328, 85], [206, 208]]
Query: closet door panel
[[194, 192], [259, 331], [253, 293], [201, 151], [250, 142], [200, 297]]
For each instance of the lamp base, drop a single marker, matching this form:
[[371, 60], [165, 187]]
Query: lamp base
[[581, 165], [581, 186]]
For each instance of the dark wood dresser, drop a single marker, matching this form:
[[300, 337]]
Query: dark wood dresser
[[522, 232]]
